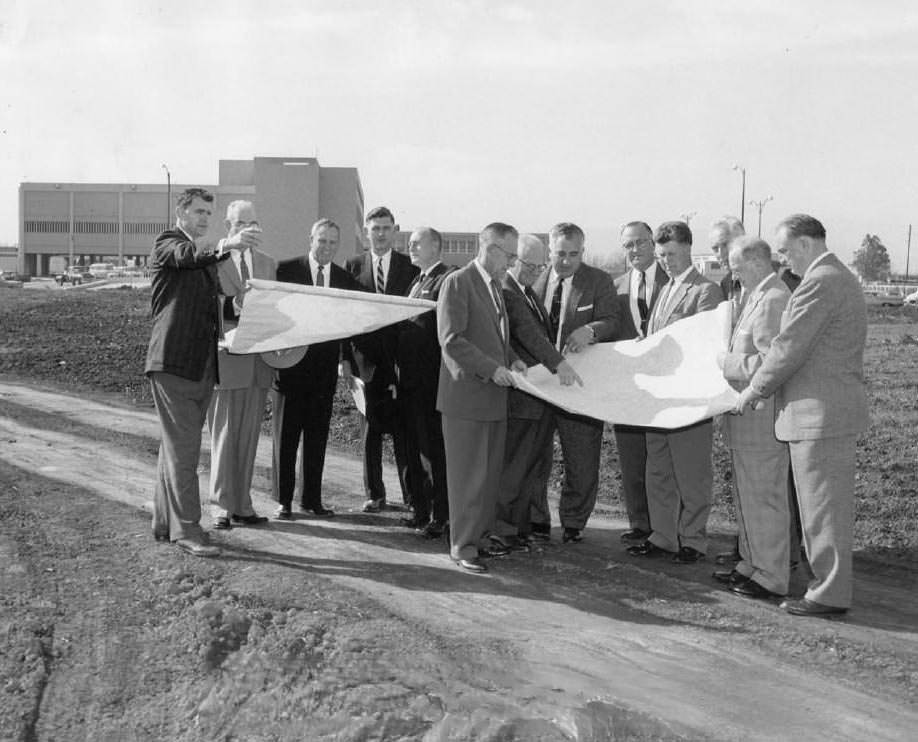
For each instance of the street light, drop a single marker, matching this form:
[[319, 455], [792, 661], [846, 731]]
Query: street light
[[761, 205], [687, 217], [168, 195], [742, 201]]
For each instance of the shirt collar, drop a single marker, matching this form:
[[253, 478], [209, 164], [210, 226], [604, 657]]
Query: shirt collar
[[819, 258]]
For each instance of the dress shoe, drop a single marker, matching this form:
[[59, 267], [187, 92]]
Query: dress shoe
[[320, 511], [197, 548], [541, 531], [222, 523], [752, 589], [647, 549], [804, 607], [729, 577], [250, 520], [572, 535], [434, 529], [413, 522], [635, 535], [687, 555], [471, 565], [520, 545], [494, 550], [161, 537], [283, 513], [374, 506]]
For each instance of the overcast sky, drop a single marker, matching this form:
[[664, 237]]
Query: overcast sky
[[465, 112]]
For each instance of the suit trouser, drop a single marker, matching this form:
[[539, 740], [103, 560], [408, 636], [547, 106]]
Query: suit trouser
[[824, 475], [426, 454], [474, 457], [631, 443], [525, 471], [762, 514], [372, 459], [300, 415], [679, 481], [234, 417], [181, 405]]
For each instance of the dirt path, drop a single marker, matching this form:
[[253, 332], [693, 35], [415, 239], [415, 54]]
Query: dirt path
[[575, 627]]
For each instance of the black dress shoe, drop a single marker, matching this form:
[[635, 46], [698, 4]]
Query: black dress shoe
[[434, 529], [222, 523], [540, 531], [413, 522], [752, 589], [161, 537], [283, 513], [687, 555], [249, 520], [647, 549], [804, 607], [572, 535], [494, 550], [318, 511], [729, 577], [471, 565], [635, 535]]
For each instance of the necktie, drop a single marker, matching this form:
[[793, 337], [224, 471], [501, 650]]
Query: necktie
[[642, 303], [320, 276], [554, 316], [416, 289], [660, 307], [534, 303], [495, 290], [243, 269], [380, 277]]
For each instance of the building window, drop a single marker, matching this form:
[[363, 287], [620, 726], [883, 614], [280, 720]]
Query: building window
[[46, 227], [144, 228]]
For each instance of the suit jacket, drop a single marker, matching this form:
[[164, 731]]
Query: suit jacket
[[186, 319], [591, 301], [623, 293], [418, 350], [757, 326], [816, 363], [529, 339], [695, 294], [473, 348], [247, 369], [317, 372]]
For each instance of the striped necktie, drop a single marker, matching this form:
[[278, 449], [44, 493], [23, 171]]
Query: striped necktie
[[380, 277], [320, 276]]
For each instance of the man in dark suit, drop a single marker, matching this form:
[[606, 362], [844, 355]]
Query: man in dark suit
[[238, 405], [384, 271], [472, 395], [815, 367], [418, 371], [182, 364], [528, 450], [679, 475], [305, 391], [582, 309], [723, 231], [637, 292]]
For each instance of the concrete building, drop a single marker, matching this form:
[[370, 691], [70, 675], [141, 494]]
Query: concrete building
[[89, 222], [458, 248]]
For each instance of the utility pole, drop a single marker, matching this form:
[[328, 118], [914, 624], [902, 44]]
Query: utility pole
[[687, 218], [168, 196], [761, 205], [742, 200], [908, 250]]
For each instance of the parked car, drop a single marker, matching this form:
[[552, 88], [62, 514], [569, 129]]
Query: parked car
[[884, 299], [75, 274]]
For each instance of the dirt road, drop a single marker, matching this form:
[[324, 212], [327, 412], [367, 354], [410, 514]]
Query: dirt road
[[576, 638]]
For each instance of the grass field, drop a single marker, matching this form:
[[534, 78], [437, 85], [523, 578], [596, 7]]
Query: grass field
[[96, 341]]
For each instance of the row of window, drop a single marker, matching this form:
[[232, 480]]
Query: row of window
[[467, 247], [55, 227]]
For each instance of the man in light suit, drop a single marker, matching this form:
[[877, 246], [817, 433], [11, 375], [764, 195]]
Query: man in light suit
[[760, 461], [418, 372], [238, 404], [815, 366], [679, 475], [182, 364], [382, 270], [527, 455], [637, 291], [302, 402], [582, 309], [472, 395]]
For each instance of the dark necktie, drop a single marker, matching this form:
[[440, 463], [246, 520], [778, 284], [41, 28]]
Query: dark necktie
[[495, 290], [320, 276], [416, 289], [642, 303], [380, 278], [243, 269], [554, 316]]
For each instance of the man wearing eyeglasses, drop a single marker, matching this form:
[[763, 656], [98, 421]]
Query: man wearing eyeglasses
[[638, 290], [582, 309], [527, 456], [475, 375]]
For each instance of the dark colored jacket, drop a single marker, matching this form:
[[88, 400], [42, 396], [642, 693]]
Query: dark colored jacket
[[418, 349], [185, 307]]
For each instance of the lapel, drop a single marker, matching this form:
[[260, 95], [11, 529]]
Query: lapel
[[485, 294], [752, 301], [366, 273], [307, 272], [659, 282], [573, 299], [675, 297]]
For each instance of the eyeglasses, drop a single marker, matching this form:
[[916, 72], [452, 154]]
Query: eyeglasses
[[511, 256], [536, 267], [636, 243]]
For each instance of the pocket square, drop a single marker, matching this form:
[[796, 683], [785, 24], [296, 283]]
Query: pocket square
[[583, 309]]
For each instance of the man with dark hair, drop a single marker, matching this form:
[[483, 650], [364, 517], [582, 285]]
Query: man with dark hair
[[582, 309], [815, 367], [472, 397], [384, 271], [418, 371], [638, 291], [305, 391], [182, 364], [679, 474]]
